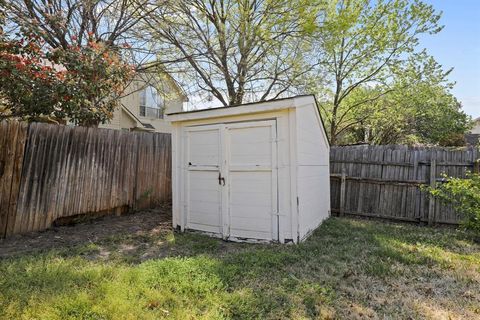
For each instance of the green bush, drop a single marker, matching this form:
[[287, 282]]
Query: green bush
[[464, 195]]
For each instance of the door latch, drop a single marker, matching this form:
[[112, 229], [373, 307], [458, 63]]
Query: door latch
[[221, 179]]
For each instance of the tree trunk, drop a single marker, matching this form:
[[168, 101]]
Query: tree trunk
[[333, 133], [334, 124]]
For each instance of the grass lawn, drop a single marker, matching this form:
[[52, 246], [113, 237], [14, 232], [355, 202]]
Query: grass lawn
[[347, 269]]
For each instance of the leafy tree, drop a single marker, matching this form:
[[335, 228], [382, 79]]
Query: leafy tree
[[418, 109], [63, 58], [235, 49], [79, 83], [364, 44], [439, 119], [404, 119]]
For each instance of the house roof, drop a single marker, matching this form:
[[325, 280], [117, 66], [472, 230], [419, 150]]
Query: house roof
[[139, 124], [472, 139]]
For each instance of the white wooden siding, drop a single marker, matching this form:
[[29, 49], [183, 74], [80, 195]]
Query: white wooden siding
[[313, 185], [311, 137], [314, 197], [274, 159]]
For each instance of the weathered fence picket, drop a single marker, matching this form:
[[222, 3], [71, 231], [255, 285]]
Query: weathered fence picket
[[385, 181], [50, 172], [12, 140]]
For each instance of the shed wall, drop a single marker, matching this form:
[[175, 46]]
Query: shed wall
[[313, 179]]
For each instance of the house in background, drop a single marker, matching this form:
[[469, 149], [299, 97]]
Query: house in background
[[143, 105], [473, 137]]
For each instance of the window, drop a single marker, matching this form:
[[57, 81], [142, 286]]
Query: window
[[151, 103]]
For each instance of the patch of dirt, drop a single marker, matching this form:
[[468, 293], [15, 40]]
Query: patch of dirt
[[153, 221]]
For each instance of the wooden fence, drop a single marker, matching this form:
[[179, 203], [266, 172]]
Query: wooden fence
[[49, 172], [385, 181]]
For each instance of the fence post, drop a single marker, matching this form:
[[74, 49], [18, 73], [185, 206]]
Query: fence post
[[431, 198], [476, 166], [343, 181]]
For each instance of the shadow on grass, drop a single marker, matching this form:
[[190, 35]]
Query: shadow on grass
[[190, 275]]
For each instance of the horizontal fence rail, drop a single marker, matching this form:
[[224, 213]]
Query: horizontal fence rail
[[386, 181], [50, 172]]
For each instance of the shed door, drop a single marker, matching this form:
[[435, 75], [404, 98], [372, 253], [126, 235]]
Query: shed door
[[231, 185], [203, 192], [252, 180]]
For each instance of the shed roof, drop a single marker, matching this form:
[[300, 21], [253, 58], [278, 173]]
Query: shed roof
[[248, 108], [245, 104], [251, 107]]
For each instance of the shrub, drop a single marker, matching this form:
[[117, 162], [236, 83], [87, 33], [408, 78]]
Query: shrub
[[80, 83], [464, 195]]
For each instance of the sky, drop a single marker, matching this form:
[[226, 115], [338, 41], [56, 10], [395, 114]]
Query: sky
[[458, 46]]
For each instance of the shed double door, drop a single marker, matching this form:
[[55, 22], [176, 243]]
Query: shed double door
[[231, 174]]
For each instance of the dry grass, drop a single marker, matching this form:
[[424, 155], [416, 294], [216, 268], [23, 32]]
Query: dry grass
[[350, 269]]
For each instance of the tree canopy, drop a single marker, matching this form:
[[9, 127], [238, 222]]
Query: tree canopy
[[62, 23], [233, 48], [416, 107], [362, 58], [366, 44]]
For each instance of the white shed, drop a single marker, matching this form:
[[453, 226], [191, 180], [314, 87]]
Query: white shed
[[257, 171]]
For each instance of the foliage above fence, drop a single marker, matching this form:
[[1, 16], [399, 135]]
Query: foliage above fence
[[385, 181], [49, 172]]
